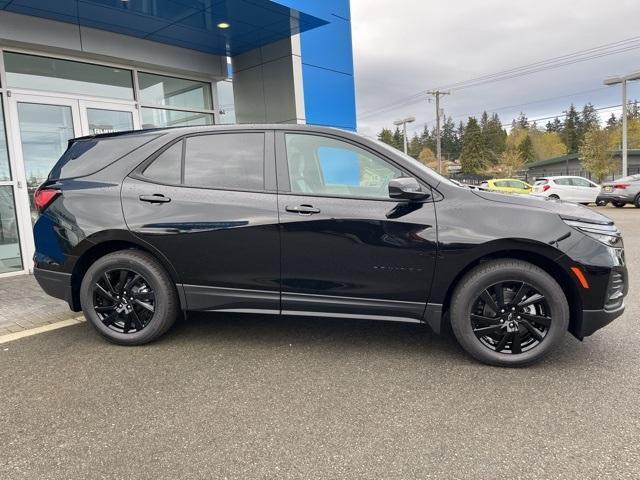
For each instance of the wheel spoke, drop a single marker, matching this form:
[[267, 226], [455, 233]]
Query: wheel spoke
[[105, 309], [535, 333], [520, 293], [99, 289], [146, 306], [137, 321], [132, 281], [516, 343], [536, 297], [107, 282], [143, 295], [491, 303], [127, 323], [503, 342], [109, 319], [499, 289], [122, 279], [487, 330], [544, 321]]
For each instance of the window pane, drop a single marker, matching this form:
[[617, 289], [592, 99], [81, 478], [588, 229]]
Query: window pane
[[157, 117], [226, 102], [174, 92], [52, 74], [10, 258], [321, 165], [5, 171], [233, 160], [166, 167], [580, 182], [108, 121]]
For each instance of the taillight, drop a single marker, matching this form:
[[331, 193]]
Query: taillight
[[621, 186], [44, 196], [546, 187]]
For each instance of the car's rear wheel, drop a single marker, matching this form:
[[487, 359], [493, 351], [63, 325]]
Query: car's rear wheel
[[508, 313], [554, 196], [129, 298], [617, 204], [601, 203], [636, 202]]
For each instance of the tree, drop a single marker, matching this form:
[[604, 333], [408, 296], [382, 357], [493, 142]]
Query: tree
[[415, 146], [589, 119], [386, 136], [427, 157], [595, 155], [522, 121], [555, 126], [495, 138], [398, 139], [472, 157], [571, 129], [511, 162], [526, 150], [548, 145]]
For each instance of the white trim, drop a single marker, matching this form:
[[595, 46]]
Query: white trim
[[10, 337]]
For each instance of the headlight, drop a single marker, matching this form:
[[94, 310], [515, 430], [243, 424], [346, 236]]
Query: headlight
[[607, 234]]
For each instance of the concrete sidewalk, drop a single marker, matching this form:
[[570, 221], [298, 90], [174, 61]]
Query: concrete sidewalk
[[23, 305]]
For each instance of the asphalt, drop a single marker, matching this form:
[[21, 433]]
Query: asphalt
[[258, 397]]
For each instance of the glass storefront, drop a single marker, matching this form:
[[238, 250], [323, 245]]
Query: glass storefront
[[10, 255], [54, 100]]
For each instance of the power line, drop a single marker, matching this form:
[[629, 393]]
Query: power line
[[604, 50]]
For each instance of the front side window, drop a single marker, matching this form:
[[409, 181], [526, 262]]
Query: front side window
[[325, 166], [563, 181], [580, 182]]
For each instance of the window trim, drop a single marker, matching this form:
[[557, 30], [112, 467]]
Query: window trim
[[269, 181], [282, 168]]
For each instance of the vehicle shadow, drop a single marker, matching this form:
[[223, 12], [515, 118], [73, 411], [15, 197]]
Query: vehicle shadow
[[327, 336]]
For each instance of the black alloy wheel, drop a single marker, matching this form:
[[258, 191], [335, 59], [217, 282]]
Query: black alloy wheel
[[510, 317], [123, 300]]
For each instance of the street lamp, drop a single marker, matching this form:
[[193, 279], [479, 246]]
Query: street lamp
[[623, 80], [404, 122]]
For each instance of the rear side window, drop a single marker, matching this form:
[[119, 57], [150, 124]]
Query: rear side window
[[563, 181], [228, 161], [87, 156], [542, 181], [580, 182]]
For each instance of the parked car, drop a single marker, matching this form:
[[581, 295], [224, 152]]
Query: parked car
[[621, 192], [571, 189], [137, 227], [507, 185]]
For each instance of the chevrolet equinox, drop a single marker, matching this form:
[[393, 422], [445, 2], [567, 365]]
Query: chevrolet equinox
[[137, 228]]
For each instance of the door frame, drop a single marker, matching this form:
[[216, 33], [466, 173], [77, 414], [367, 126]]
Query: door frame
[[79, 117]]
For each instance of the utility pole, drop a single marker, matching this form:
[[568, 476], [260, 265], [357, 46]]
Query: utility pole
[[404, 122], [437, 94], [623, 80]]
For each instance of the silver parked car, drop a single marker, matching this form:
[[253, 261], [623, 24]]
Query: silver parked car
[[622, 191]]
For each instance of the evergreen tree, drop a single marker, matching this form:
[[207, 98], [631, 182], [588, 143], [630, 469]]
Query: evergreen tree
[[522, 121], [450, 149], [555, 126], [570, 130], [612, 122], [386, 136], [415, 146], [526, 150], [495, 138], [589, 119], [472, 157], [398, 139]]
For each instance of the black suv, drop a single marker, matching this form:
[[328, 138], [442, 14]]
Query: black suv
[[137, 227]]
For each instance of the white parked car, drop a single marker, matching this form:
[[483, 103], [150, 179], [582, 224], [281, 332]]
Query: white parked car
[[571, 189]]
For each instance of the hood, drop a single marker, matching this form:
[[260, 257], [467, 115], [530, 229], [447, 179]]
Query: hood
[[566, 210]]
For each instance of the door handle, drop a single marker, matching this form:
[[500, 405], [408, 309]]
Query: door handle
[[155, 198], [302, 209]]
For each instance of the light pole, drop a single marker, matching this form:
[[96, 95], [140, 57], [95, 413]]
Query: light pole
[[404, 122], [623, 80]]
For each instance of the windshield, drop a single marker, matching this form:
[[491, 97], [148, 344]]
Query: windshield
[[431, 173]]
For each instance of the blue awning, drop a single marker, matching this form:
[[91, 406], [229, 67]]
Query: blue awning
[[193, 24]]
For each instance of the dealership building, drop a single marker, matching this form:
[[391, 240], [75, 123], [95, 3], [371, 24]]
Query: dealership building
[[70, 68]]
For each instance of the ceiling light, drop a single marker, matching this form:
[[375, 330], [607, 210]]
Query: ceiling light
[[223, 25]]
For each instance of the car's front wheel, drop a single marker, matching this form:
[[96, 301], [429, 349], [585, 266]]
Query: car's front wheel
[[508, 313], [617, 204], [129, 298]]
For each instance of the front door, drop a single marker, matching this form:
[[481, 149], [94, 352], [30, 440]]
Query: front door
[[347, 248], [44, 126]]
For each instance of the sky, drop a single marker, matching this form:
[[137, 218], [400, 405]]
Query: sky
[[404, 47]]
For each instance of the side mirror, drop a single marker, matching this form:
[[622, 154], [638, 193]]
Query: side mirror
[[406, 189]]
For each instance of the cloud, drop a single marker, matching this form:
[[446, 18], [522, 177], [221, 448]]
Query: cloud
[[409, 46]]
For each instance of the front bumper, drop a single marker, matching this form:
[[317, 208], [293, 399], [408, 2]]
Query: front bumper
[[615, 197], [55, 284], [594, 320]]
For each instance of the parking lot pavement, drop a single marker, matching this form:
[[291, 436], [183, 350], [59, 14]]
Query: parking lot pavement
[[254, 397]]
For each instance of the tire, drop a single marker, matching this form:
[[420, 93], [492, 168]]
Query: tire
[[509, 274], [636, 202], [148, 309], [601, 203], [617, 204], [554, 196]]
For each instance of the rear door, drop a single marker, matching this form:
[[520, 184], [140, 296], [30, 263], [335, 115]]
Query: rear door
[[586, 191], [347, 248], [564, 189], [208, 203]]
